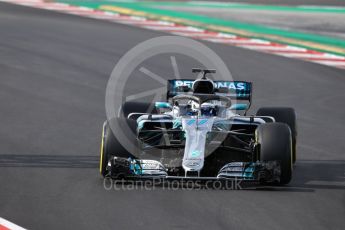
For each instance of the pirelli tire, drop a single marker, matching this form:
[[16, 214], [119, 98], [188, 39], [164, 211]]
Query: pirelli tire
[[285, 115], [275, 144], [110, 145]]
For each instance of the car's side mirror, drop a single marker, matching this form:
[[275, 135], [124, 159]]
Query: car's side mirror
[[240, 106]]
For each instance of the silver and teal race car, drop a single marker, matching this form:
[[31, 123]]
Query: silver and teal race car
[[202, 131]]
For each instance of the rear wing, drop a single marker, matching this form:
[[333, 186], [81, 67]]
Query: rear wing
[[235, 90]]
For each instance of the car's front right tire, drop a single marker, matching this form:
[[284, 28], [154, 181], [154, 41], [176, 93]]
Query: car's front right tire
[[285, 115], [275, 144]]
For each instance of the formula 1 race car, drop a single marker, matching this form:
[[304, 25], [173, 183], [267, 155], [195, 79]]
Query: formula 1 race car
[[201, 131]]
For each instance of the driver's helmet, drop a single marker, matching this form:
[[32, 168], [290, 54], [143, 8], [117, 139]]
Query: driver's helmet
[[190, 111], [208, 109]]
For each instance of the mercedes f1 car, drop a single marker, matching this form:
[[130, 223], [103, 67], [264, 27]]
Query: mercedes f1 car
[[201, 131]]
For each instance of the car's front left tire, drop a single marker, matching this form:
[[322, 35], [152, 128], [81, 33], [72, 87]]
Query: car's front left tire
[[111, 146]]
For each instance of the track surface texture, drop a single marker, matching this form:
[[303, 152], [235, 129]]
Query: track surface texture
[[54, 70]]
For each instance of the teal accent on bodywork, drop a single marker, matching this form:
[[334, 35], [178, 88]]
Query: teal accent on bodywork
[[190, 122], [177, 123], [141, 124], [201, 122], [240, 106], [135, 168], [163, 105], [249, 171], [195, 153]]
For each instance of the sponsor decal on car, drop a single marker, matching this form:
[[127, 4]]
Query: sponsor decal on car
[[195, 153], [218, 84]]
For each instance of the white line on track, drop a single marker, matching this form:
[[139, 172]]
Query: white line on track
[[274, 48], [174, 28], [308, 55], [331, 63], [9, 225]]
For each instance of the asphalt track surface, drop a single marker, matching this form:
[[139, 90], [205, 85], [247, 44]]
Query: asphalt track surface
[[54, 70]]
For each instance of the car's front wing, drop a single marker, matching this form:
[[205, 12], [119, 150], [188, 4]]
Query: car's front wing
[[251, 172]]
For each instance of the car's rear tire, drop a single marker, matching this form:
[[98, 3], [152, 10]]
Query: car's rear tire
[[111, 146], [285, 115], [275, 144]]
